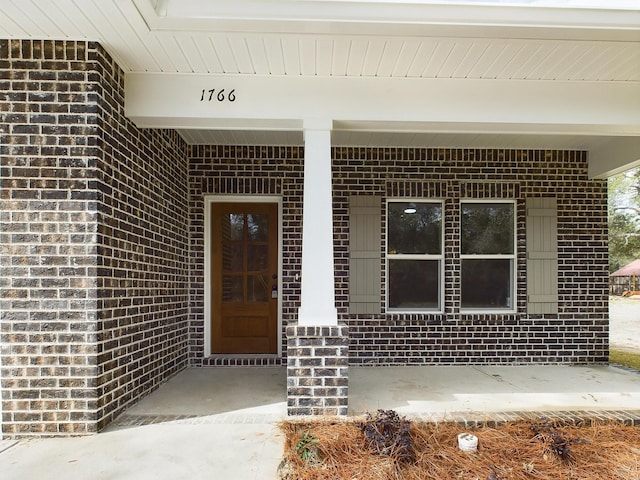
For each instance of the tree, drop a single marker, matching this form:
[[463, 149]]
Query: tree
[[624, 218]]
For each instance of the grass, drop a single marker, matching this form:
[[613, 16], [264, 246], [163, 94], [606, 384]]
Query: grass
[[628, 359]]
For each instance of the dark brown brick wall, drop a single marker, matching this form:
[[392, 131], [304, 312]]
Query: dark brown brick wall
[[223, 170], [49, 156], [578, 334], [94, 243], [143, 249], [318, 370]]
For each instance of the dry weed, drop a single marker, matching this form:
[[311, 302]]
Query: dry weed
[[513, 451]]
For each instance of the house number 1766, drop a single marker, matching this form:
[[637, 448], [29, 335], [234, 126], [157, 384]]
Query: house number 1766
[[217, 95]]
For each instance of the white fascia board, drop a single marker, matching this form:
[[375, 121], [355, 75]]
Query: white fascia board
[[390, 18], [549, 129], [281, 103]]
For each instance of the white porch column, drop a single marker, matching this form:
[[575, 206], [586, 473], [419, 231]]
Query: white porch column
[[317, 303]]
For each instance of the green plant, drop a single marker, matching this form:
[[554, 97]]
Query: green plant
[[307, 446]]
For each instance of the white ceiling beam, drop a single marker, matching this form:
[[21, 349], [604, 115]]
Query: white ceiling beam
[[185, 101], [522, 112]]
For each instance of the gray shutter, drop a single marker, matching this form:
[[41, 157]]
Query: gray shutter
[[542, 255], [364, 254]]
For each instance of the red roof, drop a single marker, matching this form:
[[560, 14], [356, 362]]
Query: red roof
[[631, 269]]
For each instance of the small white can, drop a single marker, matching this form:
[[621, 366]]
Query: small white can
[[467, 442]]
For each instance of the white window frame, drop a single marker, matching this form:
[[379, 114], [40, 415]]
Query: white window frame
[[439, 258], [513, 257]]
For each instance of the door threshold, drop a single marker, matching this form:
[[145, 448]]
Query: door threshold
[[243, 360]]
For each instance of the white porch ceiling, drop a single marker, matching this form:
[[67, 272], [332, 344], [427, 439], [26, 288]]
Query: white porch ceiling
[[185, 42], [519, 40], [351, 138]]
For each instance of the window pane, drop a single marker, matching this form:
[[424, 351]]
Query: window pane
[[486, 228], [487, 283], [417, 232], [232, 257], [232, 289], [258, 288], [414, 284], [258, 226], [232, 226], [257, 259]]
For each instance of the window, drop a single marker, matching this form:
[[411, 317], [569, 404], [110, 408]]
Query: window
[[487, 254], [414, 256]]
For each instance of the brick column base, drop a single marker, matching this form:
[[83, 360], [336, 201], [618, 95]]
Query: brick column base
[[317, 370]]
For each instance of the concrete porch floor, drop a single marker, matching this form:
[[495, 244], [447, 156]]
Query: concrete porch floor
[[434, 393], [222, 422]]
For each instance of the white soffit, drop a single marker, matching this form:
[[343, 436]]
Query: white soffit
[[386, 138], [440, 41]]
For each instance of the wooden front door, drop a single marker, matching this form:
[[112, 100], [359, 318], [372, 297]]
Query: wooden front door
[[245, 278]]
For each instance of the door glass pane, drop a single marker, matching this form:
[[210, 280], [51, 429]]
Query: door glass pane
[[486, 228], [415, 228], [487, 283], [232, 290], [414, 284], [257, 259], [258, 288], [232, 226], [258, 227], [232, 257]]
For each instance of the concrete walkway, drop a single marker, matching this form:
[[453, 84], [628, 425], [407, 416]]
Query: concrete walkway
[[222, 423], [168, 451]]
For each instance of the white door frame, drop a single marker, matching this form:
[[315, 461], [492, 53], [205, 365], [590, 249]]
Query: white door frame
[[208, 201]]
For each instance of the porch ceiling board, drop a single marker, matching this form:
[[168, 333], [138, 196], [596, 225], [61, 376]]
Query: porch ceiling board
[[275, 57], [364, 138], [20, 20], [361, 17], [145, 40], [242, 137]]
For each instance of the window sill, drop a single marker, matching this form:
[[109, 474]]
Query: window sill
[[488, 312], [414, 312]]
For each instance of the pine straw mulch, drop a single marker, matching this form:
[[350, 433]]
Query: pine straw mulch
[[339, 450]]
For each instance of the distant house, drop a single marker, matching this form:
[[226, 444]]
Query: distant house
[[627, 279]]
